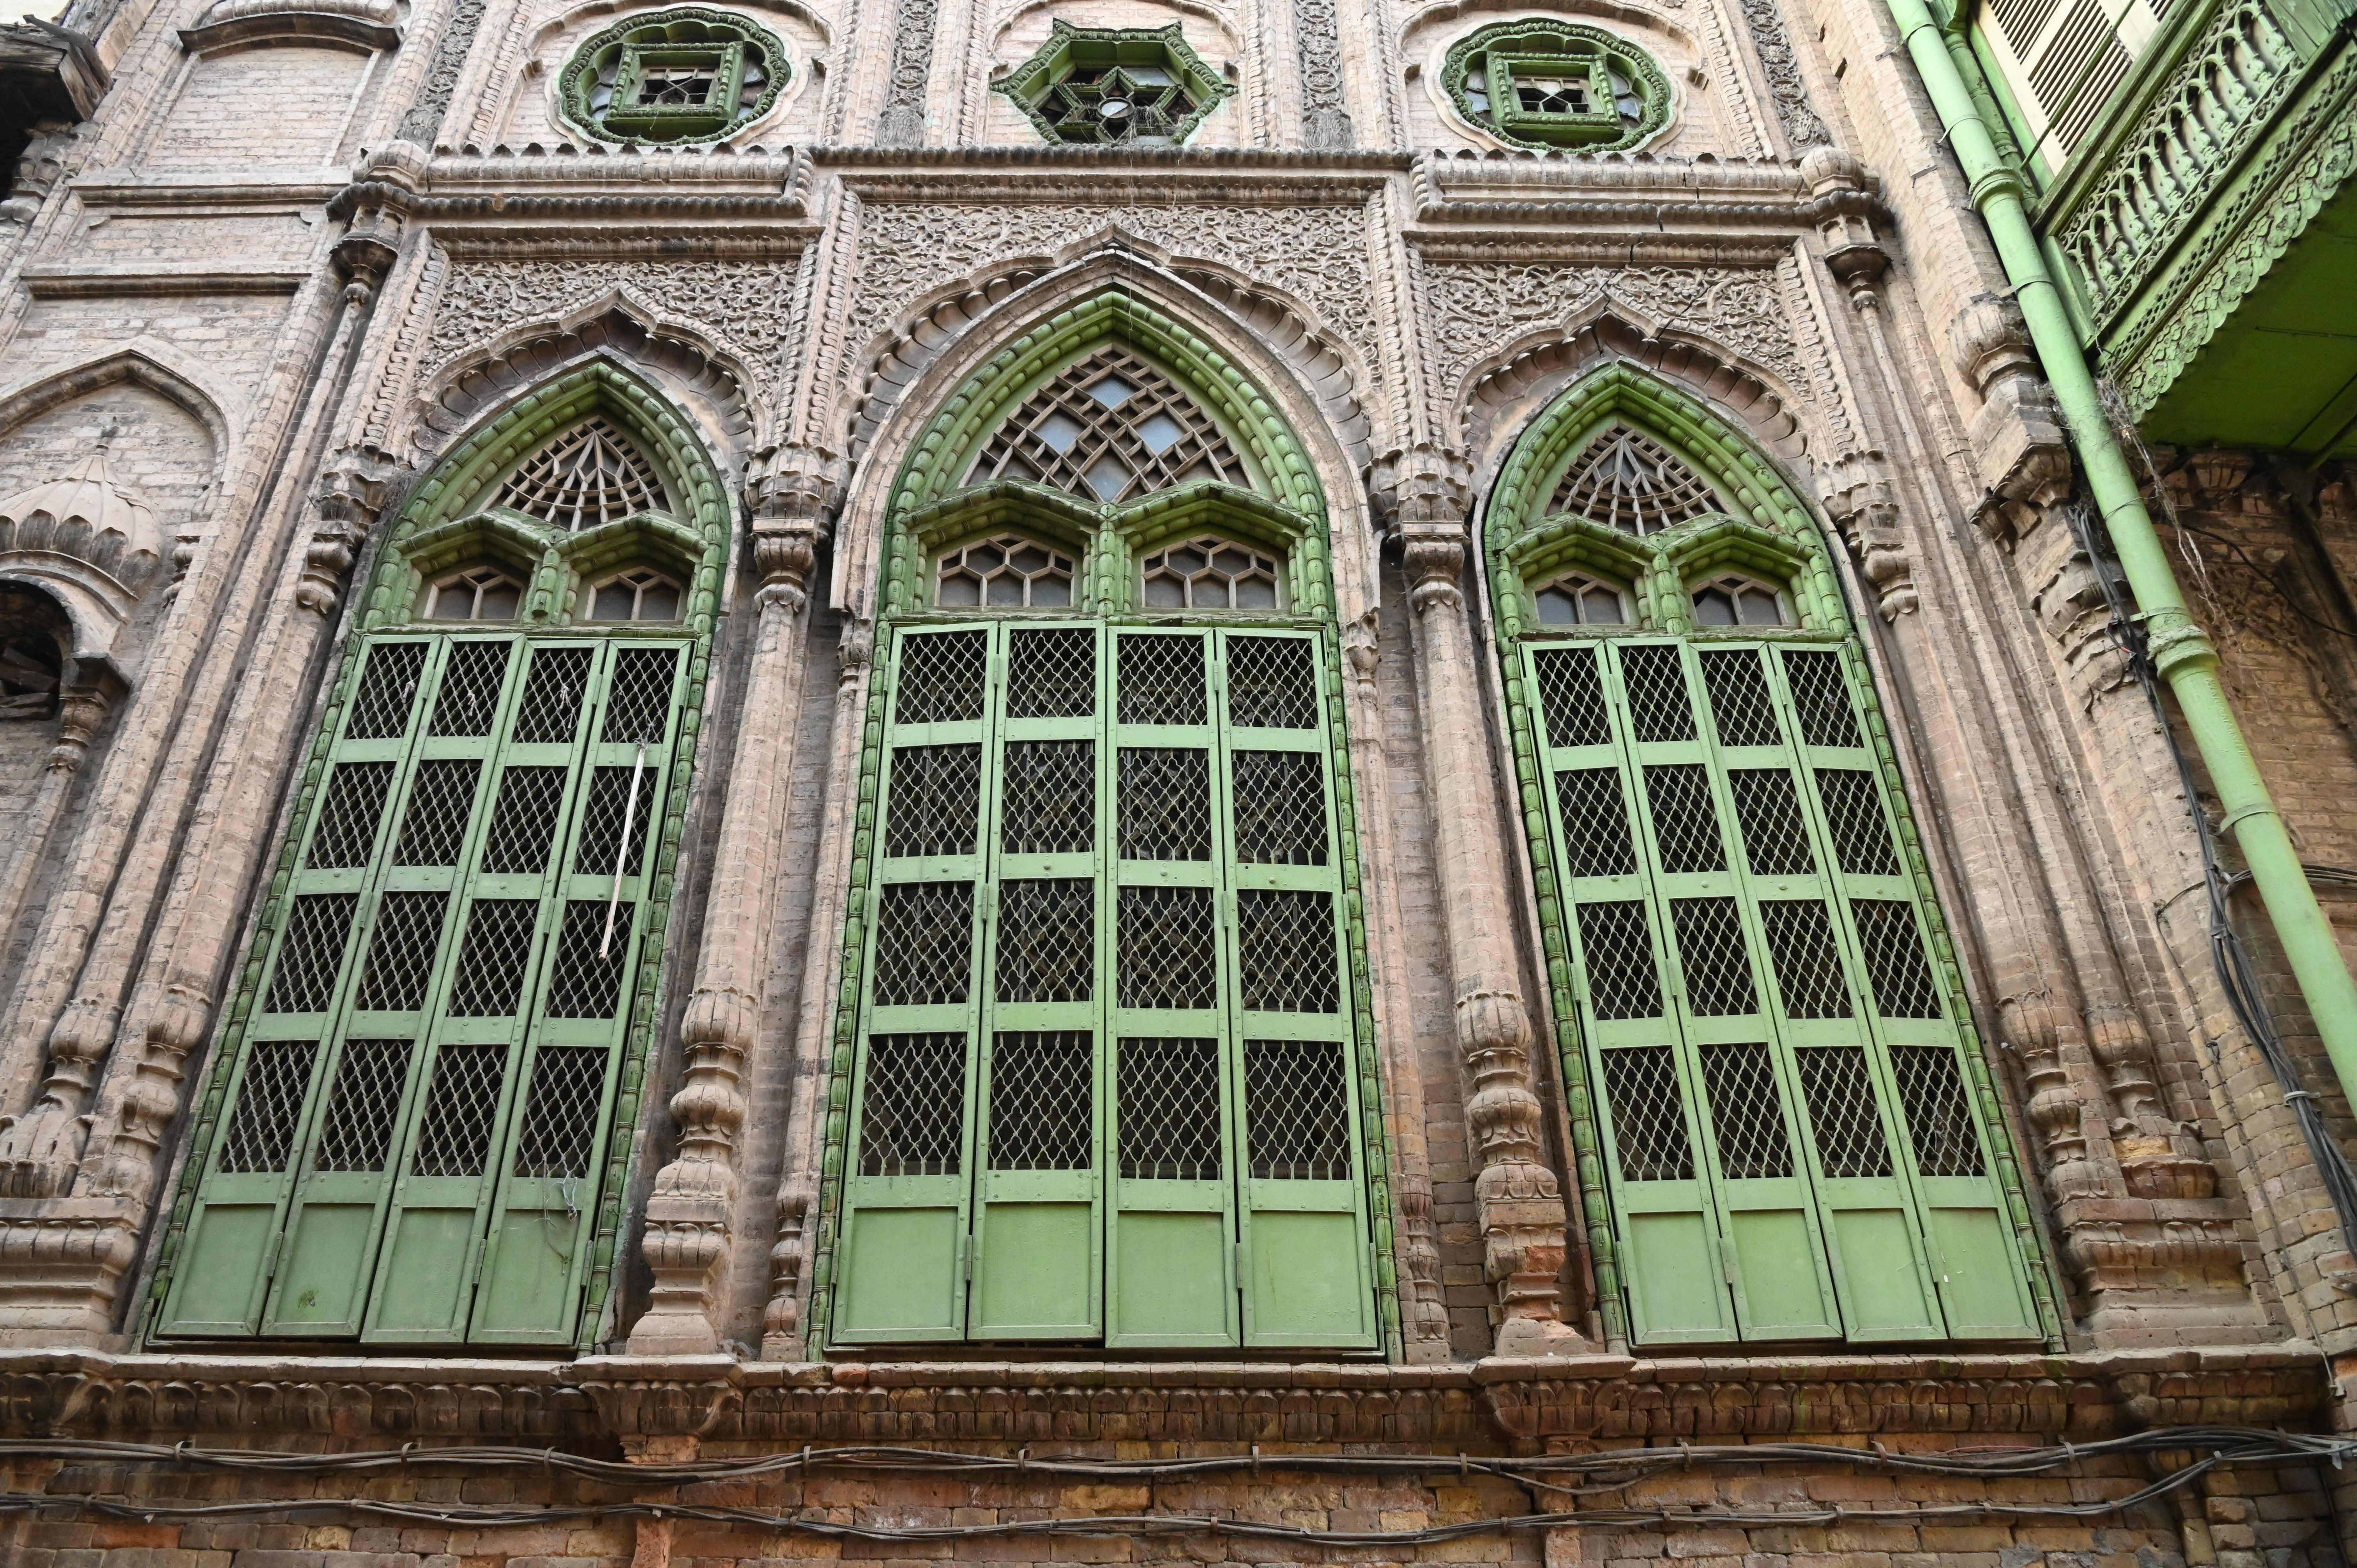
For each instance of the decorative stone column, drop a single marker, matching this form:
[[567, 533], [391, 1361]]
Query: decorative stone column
[[1426, 494], [692, 1210]]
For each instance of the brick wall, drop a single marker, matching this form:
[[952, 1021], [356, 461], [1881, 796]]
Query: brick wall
[[280, 105]]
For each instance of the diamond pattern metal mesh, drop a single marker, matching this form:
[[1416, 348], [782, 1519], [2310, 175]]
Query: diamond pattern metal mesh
[[550, 709], [1109, 428], [269, 1106], [388, 690], [912, 1108], [524, 821], [453, 1135], [1052, 674], [1297, 1110], [1168, 1092], [941, 678], [1842, 1114], [1714, 957], [1048, 939], [1165, 803], [1571, 694], [1042, 1100], [1685, 821], [492, 961], [1821, 698], [1896, 966], [1285, 951], [1808, 966], [441, 800], [586, 979], [349, 815], [1649, 1119], [602, 817], [311, 952], [1939, 1113], [1618, 955], [1658, 707], [1271, 683], [1854, 812], [364, 1105], [401, 952], [1595, 822], [1631, 482], [590, 474], [1047, 797], [1747, 1111], [936, 801], [924, 942], [1280, 808], [560, 1111], [469, 699], [1162, 680], [1740, 707], [638, 703], [1767, 811], [1168, 948]]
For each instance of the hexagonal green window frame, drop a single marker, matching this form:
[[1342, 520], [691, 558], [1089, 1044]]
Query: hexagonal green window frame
[[1545, 84], [669, 77], [1114, 86]]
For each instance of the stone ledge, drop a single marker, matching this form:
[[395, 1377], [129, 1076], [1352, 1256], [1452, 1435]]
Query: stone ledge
[[1480, 1406]]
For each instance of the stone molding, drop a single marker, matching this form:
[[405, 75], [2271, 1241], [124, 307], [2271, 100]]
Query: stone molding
[[1487, 1404]]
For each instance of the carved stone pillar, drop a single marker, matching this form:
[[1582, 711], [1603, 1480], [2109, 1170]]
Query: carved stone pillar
[[692, 1210], [1520, 1203]]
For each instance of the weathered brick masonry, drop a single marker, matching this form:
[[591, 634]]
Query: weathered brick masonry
[[301, 326]]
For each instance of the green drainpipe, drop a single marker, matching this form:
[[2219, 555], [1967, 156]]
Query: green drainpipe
[[2181, 651]]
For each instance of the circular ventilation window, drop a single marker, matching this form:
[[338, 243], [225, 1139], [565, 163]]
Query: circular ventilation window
[[674, 77], [1543, 84]]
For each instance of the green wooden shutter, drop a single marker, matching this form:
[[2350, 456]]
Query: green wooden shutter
[[1039, 1174], [1171, 1230], [1762, 1181], [356, 1179], [1306, 1267], [906, 1192]]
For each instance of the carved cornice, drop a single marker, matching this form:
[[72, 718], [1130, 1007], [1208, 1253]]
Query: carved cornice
[[1485, 1404], [633, 197]]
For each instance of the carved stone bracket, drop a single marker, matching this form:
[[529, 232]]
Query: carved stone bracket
[[1863, 503]]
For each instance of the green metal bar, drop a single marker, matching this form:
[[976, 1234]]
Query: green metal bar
[[2181, 650]]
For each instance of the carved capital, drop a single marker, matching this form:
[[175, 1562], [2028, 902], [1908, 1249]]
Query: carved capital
[[1421, 486], [796, 485], [1863, 503]]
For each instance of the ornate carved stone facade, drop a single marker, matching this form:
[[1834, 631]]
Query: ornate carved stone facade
[[281, 325]]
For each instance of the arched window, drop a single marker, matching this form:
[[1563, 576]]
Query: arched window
[[636, 595], [1779, 1057], [480, 593], [1734, 600], [1006, 571], [1108, 1083], [1579, 599], [1209, 572], [436, 1018]]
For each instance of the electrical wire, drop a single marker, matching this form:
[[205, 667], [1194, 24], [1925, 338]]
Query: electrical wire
[[2199, 1449]]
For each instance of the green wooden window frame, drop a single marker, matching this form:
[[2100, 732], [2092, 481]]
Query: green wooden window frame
[[1134, 86], [1628, 95], [1107, 1087], [413, 1130], [1784, 1126], [603, 88]]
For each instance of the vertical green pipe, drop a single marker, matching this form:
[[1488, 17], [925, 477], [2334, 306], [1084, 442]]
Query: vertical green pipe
[[2181, 651]]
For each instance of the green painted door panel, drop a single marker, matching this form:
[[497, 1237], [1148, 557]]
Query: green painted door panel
[[428, 1270], [1307, 1283], [220, 1285], [322, 1276], [529, 1294], [1885, 1291], [904, 1275], [1677, 1281], [1173, 1282], [1984, 1294], [1783, 1286], [1036, 1271]]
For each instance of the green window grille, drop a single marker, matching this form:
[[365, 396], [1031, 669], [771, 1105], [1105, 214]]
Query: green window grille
[[1792, 1146], [423, 1094], [1106, 1087]]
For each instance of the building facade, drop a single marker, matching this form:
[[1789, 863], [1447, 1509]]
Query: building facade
[[1350, 783]]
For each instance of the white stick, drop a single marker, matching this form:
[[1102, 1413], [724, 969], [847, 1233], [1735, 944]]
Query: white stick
[[622, 850]]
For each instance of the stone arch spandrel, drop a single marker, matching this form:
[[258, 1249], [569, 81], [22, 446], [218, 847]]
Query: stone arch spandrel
[[1101, 301]]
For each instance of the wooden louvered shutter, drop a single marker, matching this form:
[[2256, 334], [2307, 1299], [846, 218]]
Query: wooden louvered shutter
[[1038, 1178], [2062, 59], [906, 1191], [1306, 1264], [1170, 1244]]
